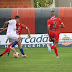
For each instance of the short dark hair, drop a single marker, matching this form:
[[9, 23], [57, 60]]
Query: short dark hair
[[16, 17], [52, 11]]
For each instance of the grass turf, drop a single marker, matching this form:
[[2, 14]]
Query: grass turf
[[38, 61]]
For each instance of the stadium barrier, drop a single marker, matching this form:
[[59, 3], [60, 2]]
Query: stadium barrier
[[36, 18], [38, 41]]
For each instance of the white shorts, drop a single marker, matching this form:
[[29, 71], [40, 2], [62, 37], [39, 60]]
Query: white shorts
[[12, 37]]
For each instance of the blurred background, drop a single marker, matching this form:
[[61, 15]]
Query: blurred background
[[34, 3]]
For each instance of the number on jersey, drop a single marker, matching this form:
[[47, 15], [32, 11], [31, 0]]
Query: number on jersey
[[54, 22]]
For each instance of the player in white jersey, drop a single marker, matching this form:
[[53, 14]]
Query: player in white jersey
[[11, 30], [11, 33]]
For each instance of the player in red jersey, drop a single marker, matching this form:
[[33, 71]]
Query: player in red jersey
[[19, 28], [54, 23]]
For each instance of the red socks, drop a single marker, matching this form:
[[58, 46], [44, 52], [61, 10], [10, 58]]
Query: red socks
[[56, 52], [55, 49], [7, 50]]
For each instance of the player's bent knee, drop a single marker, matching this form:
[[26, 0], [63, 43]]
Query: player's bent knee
[[19, 39]]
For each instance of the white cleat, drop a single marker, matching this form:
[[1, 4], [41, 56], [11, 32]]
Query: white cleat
[[49, 49], [13, 48], [25, 56]]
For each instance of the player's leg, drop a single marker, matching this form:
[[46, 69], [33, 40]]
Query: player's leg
[[53, 46], [15, 38], [51, 37], [9, 48], [55, 49], [4, 52], [8, 51], [21, 49], [54, 38], [56, 43]]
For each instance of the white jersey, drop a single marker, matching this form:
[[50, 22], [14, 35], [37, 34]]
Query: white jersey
[[11, 31], [11, 27]]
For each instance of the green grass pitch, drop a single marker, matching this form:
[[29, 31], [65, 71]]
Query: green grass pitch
[[38, 61]]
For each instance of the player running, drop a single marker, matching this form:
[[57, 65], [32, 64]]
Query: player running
[[11, 34], [19, 28], [53, 31]]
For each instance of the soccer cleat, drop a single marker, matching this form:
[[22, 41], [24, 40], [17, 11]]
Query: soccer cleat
[[13, 48], [0, 55], [49, 49], [57, 57], [25, 56], [7, 54]]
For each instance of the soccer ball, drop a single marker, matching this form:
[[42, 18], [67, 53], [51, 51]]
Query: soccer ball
[[16, 55]]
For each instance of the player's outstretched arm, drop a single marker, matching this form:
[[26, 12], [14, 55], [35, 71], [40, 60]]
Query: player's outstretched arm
[[3, 30], [61, 24], [6, 23], [48, 30], [27, 30]]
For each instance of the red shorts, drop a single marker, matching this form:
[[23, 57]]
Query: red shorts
[[54, 35]]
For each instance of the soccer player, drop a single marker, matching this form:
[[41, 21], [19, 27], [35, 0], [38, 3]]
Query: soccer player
[[11, 34], [19, 28], [53, 31]]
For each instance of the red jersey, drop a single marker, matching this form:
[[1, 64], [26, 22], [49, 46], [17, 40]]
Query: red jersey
[[54, 23], [19, 28]]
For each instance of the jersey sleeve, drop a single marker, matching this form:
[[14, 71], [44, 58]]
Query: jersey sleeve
[[10, 21], [48, 23], [24, 25], [60, 21]]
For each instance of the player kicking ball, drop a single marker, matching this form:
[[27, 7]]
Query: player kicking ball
[[53, 31], [19, 28], [12, 36]]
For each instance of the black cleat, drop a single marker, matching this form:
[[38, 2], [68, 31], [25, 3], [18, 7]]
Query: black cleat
[[0, 55]]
